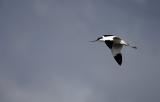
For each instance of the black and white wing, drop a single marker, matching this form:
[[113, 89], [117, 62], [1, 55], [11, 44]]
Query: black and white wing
[[116, 52], [110, 40]]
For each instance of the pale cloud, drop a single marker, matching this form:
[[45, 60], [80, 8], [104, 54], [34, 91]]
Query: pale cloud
[[57, 90], [41, 7], [143, 2]]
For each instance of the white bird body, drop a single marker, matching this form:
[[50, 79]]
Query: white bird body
[[115, 44], [107, 38]]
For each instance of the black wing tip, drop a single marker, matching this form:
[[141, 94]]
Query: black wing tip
[[120, 64], [118, 59]]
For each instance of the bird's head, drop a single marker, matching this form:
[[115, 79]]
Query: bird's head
[[98, 39]]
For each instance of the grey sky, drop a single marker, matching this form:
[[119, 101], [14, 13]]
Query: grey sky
[[46, 56]]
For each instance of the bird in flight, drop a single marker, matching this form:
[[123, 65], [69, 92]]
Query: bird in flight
[[115, 44]]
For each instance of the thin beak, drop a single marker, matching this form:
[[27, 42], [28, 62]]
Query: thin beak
[[94, 40]]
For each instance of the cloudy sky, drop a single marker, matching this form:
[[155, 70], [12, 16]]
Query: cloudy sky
[[46, 56]]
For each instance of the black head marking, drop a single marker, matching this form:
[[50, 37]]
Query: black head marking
[[96, 39], [99, 38]]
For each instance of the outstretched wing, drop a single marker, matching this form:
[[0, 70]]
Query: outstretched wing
[[116, 51]]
